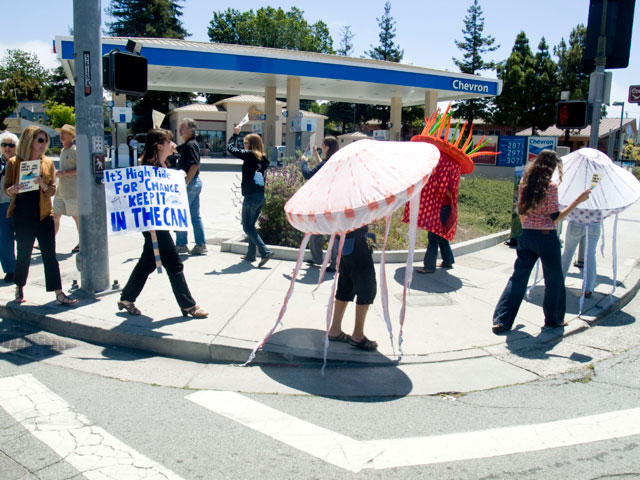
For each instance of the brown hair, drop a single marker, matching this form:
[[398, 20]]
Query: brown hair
[[255, 145], [536, 180], [155, 137], [26, 142], [332, 145]]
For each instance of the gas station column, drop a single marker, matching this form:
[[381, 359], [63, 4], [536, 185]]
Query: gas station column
[[430, 102], [270, 121], [396, 119], [119, 140], [293, 109]]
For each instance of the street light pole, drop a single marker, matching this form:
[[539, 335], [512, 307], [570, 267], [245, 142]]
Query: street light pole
[[620, 104]]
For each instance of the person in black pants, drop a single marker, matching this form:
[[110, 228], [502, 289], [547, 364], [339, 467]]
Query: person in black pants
[[32, 212], [157, 148], [254, 171]]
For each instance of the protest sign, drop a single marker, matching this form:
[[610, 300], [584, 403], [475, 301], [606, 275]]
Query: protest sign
[[146, 198], [29, 170]]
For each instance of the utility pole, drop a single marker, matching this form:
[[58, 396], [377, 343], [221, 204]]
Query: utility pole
[[598, 79], [93, 259]]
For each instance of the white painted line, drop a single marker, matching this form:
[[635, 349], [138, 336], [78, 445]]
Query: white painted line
[[90, 449], [354, 455], [336, 449], [507, 440]]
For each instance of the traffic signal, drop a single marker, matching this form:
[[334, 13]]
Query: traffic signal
[[572, 114], [124, 72]]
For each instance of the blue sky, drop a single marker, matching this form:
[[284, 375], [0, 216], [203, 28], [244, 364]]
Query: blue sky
[[426, 29]]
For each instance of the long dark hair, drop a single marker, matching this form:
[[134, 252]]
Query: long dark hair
[[155, 137], [332, 145], [536, 180]]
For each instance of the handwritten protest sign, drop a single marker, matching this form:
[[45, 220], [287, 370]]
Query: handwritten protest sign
[[146, 198]]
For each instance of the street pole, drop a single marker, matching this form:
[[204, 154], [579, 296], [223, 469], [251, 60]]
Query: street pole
[[598, 79], [93, 259]]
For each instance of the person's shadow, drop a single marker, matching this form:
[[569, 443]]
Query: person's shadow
[[358, 382], [439, 282], [524, 345], [235, 269]]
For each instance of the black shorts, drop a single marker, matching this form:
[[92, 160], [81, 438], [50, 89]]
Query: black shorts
[[357, 275]]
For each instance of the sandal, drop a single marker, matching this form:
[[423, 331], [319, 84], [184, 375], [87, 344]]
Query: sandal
[[129, 307], [64, 300], [444, 265], [19, 295], [364, 344], [341, 337], [424, 270], [195, 312]]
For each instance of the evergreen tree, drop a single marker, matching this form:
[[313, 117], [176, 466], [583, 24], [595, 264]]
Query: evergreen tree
[[571, 78], [8, 103], [270, 27], [59, 89], [544, 88], [154, 19], [346, 42], [510, 107], [474, 46], [387, 50], [146, 18]]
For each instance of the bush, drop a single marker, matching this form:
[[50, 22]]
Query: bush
[[281, 184]]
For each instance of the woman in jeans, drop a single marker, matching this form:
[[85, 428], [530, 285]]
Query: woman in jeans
[[575, 233], [254, 169], [156, 150], [32, 213], [539, 214]]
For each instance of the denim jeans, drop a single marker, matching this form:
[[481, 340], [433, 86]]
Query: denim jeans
[[251, 207], [575, 232], [534, 244], [436, 241], [316, 242], [7, 244], [193, 194]]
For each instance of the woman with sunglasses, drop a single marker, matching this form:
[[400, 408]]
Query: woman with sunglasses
[[32, 213], [8, 144]]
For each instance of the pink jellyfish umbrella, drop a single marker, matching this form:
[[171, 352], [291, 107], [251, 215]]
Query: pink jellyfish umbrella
[[363, 182], [613, 190]]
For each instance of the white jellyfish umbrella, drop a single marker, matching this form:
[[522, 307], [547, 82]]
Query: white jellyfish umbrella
[[613, 189]]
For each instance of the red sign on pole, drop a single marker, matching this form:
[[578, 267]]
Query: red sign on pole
[[634, 94]]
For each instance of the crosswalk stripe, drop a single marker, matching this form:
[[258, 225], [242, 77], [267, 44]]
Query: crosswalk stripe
[[355, 455], [333, 448], [90, 449]]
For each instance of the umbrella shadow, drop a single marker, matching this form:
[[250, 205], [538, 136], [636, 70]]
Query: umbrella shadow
[[537, 347], [310, 276], [439, 282], [573, 299], [347, 375]]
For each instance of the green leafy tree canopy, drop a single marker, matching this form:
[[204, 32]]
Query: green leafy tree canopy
[[270, 27], [387, 49], [146, 18], [59, 113], [571, 78], [22, 74]]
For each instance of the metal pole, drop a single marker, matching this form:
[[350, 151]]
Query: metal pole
[[620, 134], [93, 259], [601, 61]]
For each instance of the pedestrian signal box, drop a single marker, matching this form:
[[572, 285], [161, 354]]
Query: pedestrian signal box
[[124, 72], [572, 114]]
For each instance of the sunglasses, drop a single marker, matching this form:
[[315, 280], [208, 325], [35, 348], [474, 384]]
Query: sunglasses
[[40, 140], [10, 145]]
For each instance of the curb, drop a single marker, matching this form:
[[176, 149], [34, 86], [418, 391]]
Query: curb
[[238, 246]]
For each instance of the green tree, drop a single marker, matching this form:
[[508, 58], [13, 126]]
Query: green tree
[[8, 104], [59, 113], [571, 78], [543, 86], [474, 46], [387, 49], [510, 107], [346, 42], [59, 89], [270, 27], [155, 19], [146, 18], [22, 74]]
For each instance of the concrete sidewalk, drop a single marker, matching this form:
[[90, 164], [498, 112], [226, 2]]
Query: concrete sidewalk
[[448, 313]]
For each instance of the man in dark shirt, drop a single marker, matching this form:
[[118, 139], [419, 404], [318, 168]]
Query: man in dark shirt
[[189, 162]]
